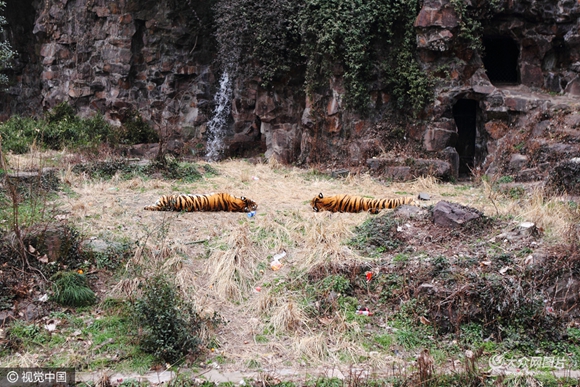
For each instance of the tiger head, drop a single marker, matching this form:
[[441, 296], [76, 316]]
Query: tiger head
[[249, 204], [317, 202]]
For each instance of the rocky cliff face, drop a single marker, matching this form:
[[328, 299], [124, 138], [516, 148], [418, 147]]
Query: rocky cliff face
[[512, 96], [114, 57], [507, 107]]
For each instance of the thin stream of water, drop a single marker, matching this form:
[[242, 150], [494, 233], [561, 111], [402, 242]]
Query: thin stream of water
[[217, 126]]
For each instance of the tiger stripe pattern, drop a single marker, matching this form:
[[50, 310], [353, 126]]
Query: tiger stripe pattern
[[348, 203], [209, 202]]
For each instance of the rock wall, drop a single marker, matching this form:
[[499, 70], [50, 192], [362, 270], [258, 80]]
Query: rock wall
[[23, 94], [516, 102], [114, 57]]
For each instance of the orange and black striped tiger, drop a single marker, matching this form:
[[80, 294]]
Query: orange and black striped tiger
[[210, 202], [347, 203]]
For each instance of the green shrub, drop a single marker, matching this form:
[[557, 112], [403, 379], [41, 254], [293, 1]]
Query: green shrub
[[61, 127], [99, 130], [137, 131], [19, 133], [61, 112], [104, 169], [171, 328], [70, 289], [168, 168], [360, 36], [471, 20], [335, 283]]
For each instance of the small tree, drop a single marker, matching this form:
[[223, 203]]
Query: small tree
[[6, 53]]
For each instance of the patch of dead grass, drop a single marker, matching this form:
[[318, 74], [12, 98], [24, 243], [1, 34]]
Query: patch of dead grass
[[425, 183], [312, 347], [287, 316], [553, 214], [231, 271]]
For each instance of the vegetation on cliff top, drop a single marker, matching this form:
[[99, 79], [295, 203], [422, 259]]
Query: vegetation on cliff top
[[362, 41]]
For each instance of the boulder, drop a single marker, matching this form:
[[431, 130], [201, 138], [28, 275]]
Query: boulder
[[452, 157], [517, 162], [438, 15], [432, 167], [453, 215], [401, 173], [440, 135], [565, 177], [408, 212]]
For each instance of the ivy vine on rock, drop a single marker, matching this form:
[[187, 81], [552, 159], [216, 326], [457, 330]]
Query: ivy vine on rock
[[471, 20], [361, 41]]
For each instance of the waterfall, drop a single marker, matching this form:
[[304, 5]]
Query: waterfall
[[217, 126]]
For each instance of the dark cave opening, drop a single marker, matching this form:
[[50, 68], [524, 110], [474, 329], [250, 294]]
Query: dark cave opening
[[501, 60], [465, 116]]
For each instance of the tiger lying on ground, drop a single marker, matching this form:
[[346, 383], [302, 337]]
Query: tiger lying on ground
[[210, 202], [347, 203]]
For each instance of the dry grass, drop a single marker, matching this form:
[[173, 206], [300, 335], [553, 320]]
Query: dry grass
[[26, 360], [287, 316], [312, 347], [425, 183], [552, 214], [35, 159], [232, 269], [218, 259]]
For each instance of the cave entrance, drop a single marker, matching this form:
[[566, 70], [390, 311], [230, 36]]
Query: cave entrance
[[465, 116], [501, 60]]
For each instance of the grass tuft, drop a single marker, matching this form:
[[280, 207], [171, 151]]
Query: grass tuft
[[70, 289]]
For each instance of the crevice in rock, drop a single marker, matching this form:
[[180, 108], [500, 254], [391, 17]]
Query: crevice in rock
[[137, 45], [20, 16]]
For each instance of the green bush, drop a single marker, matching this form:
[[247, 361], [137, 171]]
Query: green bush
[[70, 289], [168, 168], [171, 327], [335, 283], [471, 20], [61, 112], [376, 235], [19, 133], [137, 131], [114, 255], [61, 127]]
